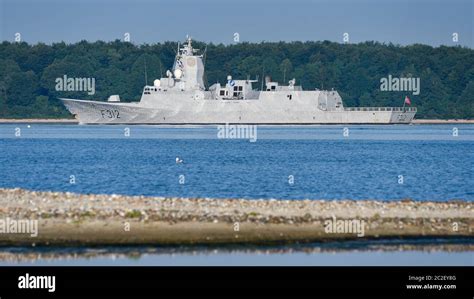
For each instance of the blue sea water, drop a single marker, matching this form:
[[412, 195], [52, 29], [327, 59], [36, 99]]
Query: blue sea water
[[367, 164]]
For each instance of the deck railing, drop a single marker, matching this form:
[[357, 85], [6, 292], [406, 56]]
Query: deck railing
[[401, 109]]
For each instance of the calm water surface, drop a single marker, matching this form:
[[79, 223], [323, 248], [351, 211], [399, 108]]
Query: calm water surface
[[367, 164], [410, 252]]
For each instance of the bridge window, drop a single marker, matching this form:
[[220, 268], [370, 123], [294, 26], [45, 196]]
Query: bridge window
[[222, 92]]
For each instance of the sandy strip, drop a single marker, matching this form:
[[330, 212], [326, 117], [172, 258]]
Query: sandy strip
[[75, 219]]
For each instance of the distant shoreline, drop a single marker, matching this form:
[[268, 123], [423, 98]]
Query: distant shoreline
[[443, 121], [37, 120], [75, 121]]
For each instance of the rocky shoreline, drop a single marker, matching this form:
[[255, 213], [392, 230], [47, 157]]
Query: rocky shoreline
[[79, 219]]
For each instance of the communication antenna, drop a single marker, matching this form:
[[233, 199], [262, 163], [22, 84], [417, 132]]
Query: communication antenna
[[176, 57], [204, 56]]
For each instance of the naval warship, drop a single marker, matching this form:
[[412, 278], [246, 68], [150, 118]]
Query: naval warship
[[181, 98]]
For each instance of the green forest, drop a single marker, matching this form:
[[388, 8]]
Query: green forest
[[28, 72]]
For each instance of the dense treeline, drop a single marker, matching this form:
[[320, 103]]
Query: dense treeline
[[28, 72]]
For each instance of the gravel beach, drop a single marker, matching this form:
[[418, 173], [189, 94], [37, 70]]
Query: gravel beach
[[80, 219]]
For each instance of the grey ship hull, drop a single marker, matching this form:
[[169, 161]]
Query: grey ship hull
[[268, 109]]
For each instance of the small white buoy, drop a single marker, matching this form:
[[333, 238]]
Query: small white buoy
[[29, 126], [178, 160]]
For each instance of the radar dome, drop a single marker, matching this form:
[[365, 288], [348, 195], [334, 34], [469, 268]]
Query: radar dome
[[157, 83], [178, 73]]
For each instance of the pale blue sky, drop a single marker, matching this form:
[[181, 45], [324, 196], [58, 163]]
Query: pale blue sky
[[397, 21]]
